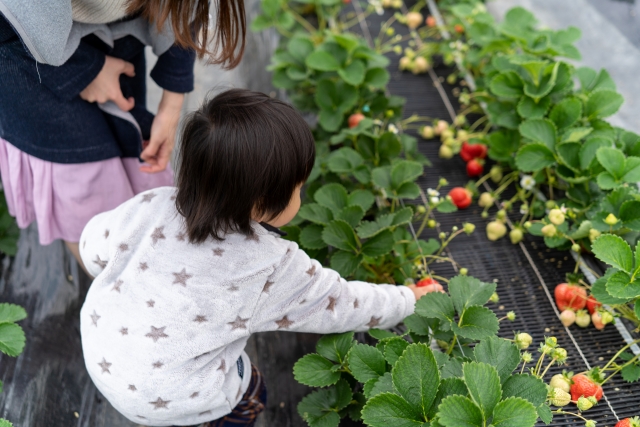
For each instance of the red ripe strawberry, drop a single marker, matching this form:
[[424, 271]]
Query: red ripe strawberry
[[629, 422], [593, 304], [461, 197], [475, 168], [570, 296], [427, 281], [431, 21], [459, 28], [465, 152], [585, 386], [354, 119]]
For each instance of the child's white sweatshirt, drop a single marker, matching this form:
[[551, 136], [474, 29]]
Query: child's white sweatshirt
[[165, 322]]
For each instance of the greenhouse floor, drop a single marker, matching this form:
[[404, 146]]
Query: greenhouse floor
[[48, 384]]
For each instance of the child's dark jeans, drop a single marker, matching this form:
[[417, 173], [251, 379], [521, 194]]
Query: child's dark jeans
[[252, 404]]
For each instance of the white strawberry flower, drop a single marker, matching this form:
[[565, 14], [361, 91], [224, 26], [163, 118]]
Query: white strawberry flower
[[392, 128], [527, 182], [377, 5], [432, 192], [435, 200]]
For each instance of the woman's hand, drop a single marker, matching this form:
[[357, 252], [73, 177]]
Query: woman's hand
[[106, 86], [421, 291], [157, 152]]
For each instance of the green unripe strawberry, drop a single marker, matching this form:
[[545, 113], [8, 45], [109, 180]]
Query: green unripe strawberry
[[496, 174], [516, 236], [576, 248], [523, 340], [464, 271], [445, 152], [468, 227], [584, 404], [431, 223], [496, 230], [427, 131], [485, 200], [494, 298], [582, 318], [611, 219], [559, 397], [594, 234]]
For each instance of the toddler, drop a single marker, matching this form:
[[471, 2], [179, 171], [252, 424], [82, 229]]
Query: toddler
[[183, 276]]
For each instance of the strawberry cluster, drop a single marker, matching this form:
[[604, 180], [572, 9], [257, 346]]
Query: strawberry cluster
[[474, 155], [572, 300]]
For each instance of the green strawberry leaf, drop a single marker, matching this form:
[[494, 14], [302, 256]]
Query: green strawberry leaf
[[380, 244], [507, 84], [466, 291], [526, 386], [353, 73], [320, 408], [352, 215], [476, 323], [448, 387], [311, 237], [501, 353], [366, 362], [459, 411], [322, 61], [416, 377], [566, 113], [335, 346], [333, 196], [514, 411], [12, 339], [316, 213], [545, 414], [612, 160], [383, 384], [315, 371], [599, 291], [417, 324], [394, 349], [483, 383], [436, 305], [539, 130], [340, 234], [377, 77], [614, 251], [529, 109], [11, 313], [345, 262], [631, 373], [362, 198], [388, 409], [344, 160], [534, 157], [620, 285], [603, 103]]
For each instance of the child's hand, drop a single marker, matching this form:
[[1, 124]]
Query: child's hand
[[157, 152], [106, 86], [419, 292]]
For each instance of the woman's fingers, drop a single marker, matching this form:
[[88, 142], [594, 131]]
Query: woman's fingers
[[123, 103], [128, 69]]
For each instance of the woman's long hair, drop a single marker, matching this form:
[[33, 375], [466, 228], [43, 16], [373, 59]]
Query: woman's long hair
[[190, 23]]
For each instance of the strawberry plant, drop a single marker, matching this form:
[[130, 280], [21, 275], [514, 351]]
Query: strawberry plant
[[12, 336], [471, 379]]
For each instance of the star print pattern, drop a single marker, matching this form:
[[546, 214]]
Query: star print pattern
[[194, 395], [106, 234], [181, 236], [123, 247], [267, 286], [223, 366], [181, 278], [100, 263], [143, 266], [311, 271], [148, 197], [132, 387], [94, 318], [157, 365], [375, 321], [332, 304], [218, 252], [151, 303], [356, 304], [105, 366], [284, 323], [200, 319], [159, 403], [116, 286], [233, 288], [239, 323], [253, 237], [157, 235], [157, 333], [124, 331]]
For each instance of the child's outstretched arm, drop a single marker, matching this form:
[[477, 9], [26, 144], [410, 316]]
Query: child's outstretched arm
[[303, 296]]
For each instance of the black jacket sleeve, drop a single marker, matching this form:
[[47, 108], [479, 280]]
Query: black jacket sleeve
[[65, 81], [174, 69]]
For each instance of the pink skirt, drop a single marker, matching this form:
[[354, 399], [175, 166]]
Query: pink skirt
[[62, 198]]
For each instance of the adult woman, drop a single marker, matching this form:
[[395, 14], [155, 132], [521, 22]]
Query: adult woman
[[73, 117]]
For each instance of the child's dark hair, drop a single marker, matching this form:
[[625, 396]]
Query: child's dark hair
[[242, 155]]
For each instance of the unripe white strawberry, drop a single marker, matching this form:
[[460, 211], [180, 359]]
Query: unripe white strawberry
[[486, 200], [414, 19], [584, 404], [561, 381], [582, 318], [441, 126], [446, 134], [549, 230], [523, 340], [427, 132], [420, 65], [445, 152], [496, 230], [568, 317], [594, 234], [556, 216], [606, 317], [462, 135], [405, 63]]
